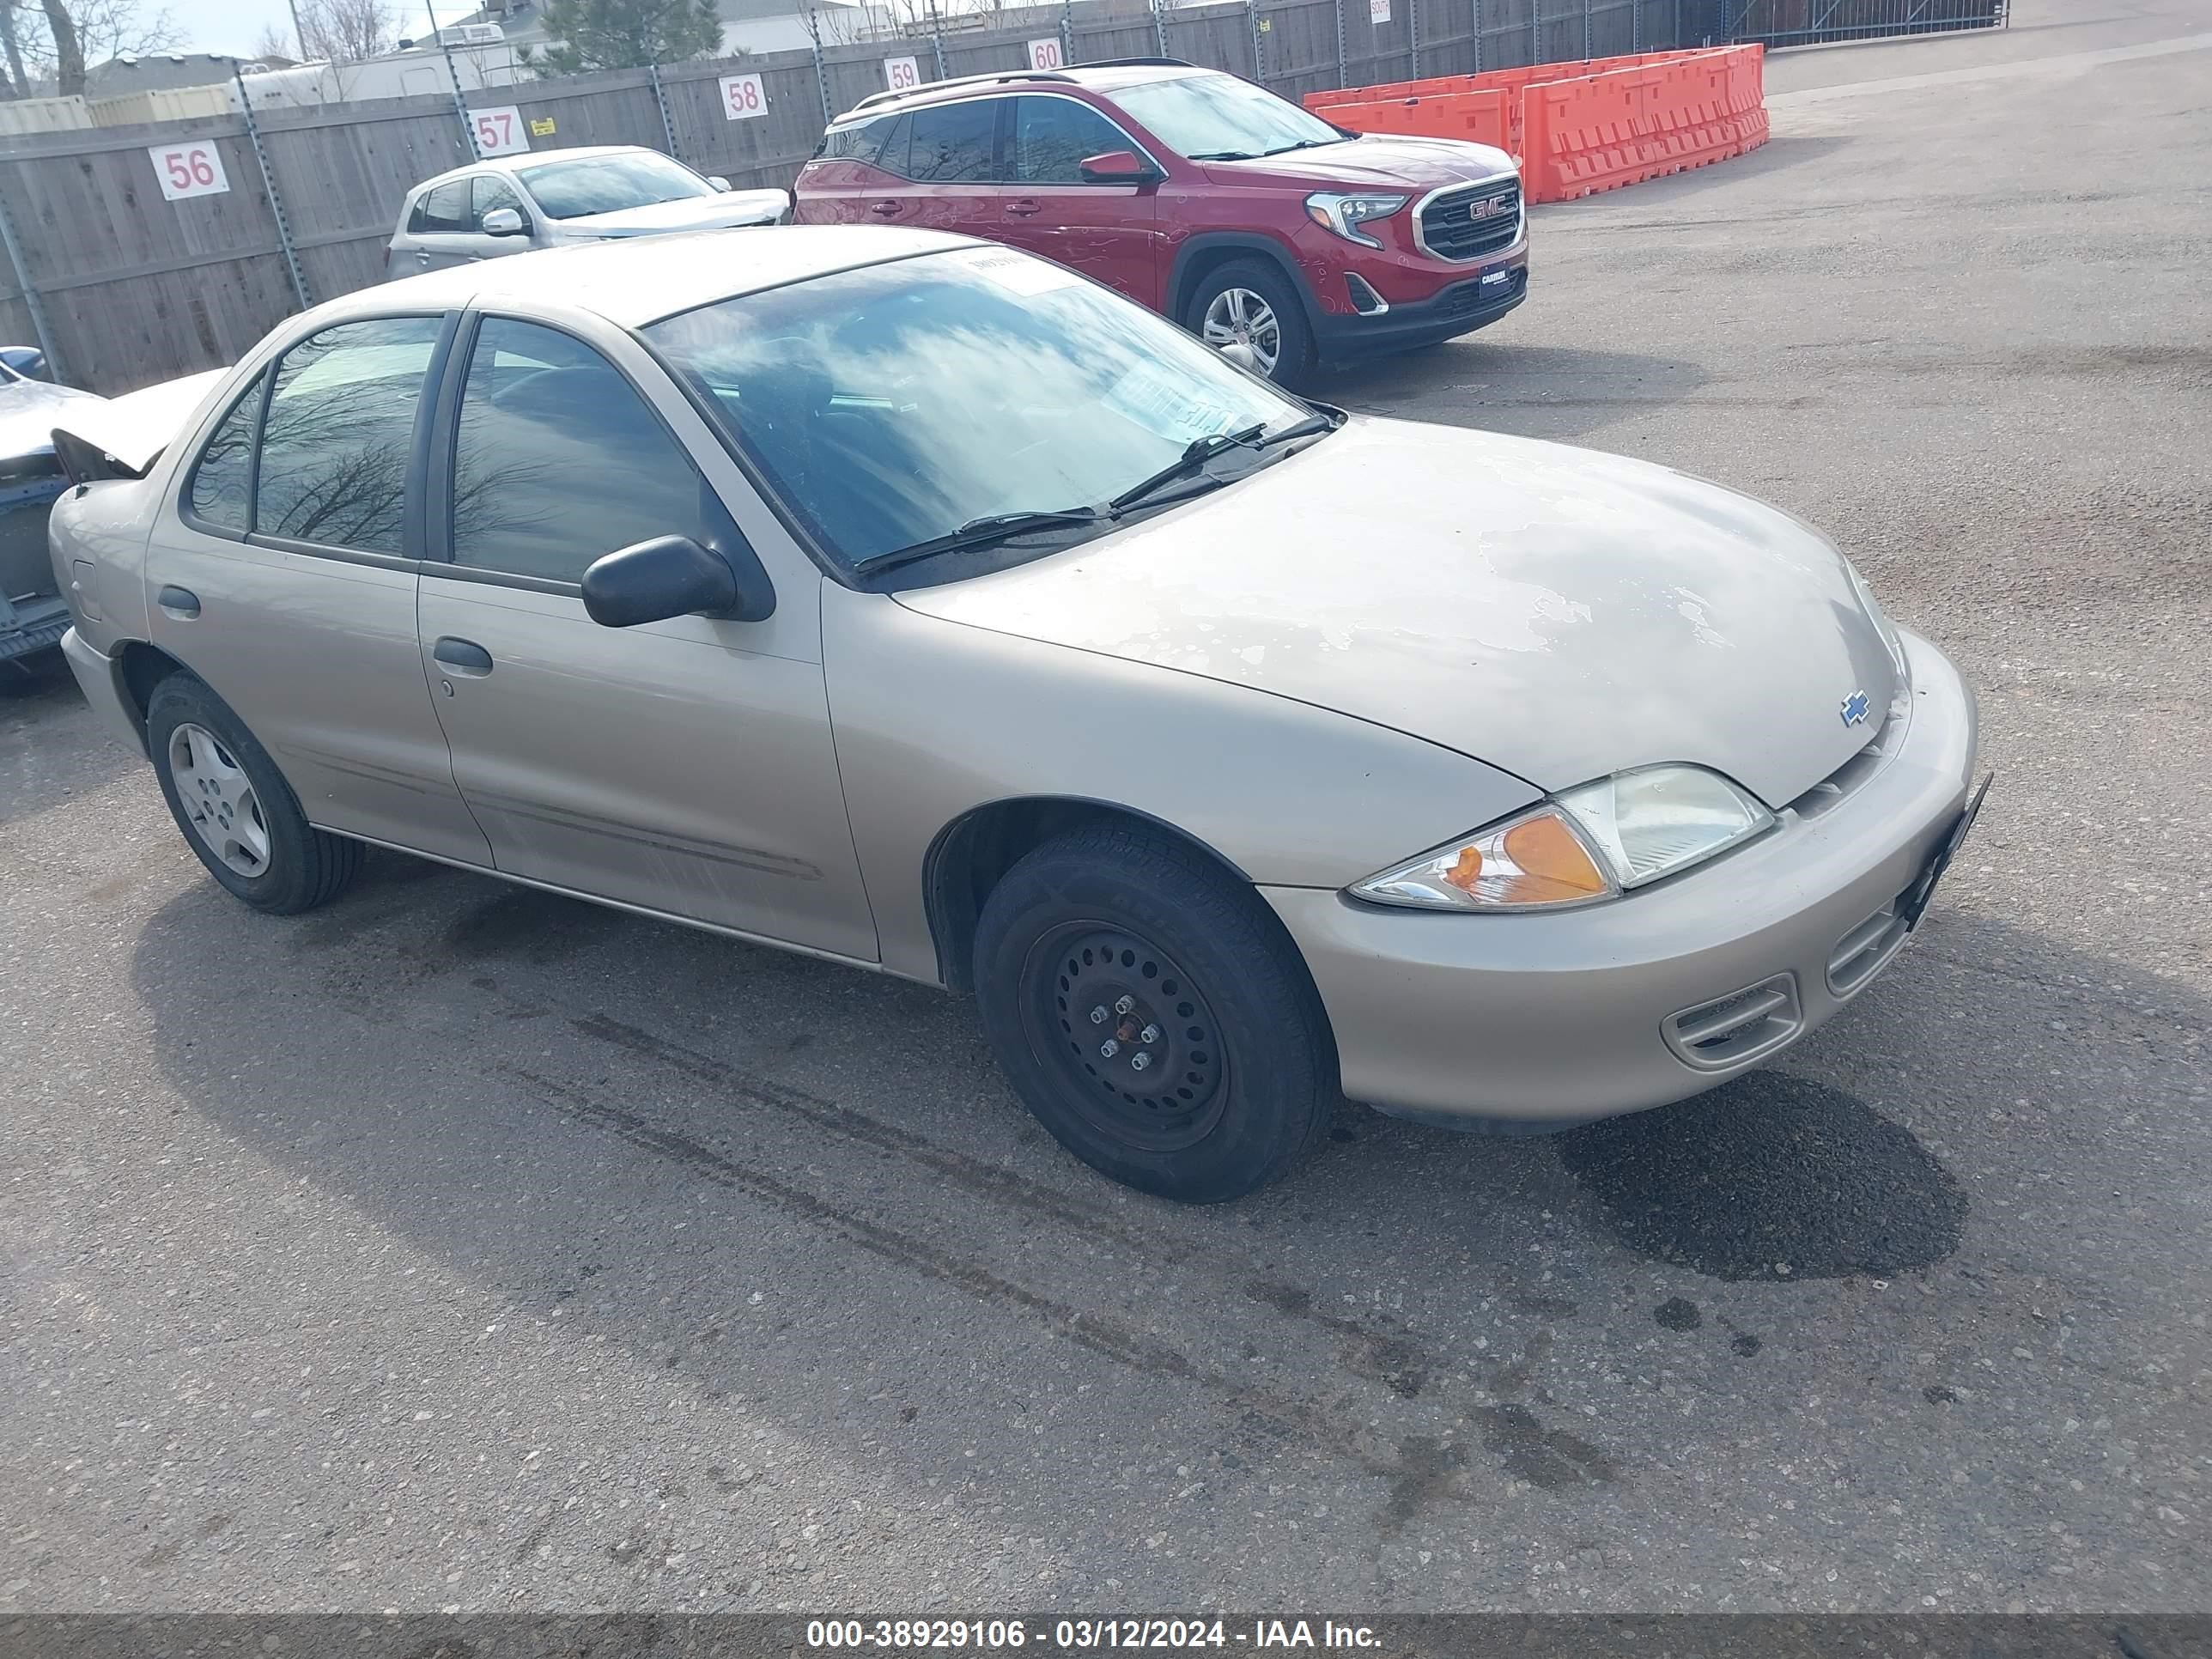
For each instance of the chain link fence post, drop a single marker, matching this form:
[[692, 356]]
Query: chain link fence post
[[937, 37], [1475, 17], [269, 186], [1343, 69], [660, 97], [1067, 31], [1252, 26], [31, 302], [1635, 27], [1535, 31], [1586, 31], [1413, 33], [821, 75], [461, 103], [1160, 26]]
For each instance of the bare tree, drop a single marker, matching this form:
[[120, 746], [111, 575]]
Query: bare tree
[[272, 44], [18, 77], [348, 31], [62, 39]]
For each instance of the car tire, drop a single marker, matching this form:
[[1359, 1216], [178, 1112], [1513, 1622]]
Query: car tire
[[1242, 1066], [234, 808], [1294, 359]]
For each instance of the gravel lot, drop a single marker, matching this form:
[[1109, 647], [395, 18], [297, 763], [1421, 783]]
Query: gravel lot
[[461, 1246]]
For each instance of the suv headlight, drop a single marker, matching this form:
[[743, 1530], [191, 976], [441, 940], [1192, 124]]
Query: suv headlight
[[1587, 844], [1337, 211]]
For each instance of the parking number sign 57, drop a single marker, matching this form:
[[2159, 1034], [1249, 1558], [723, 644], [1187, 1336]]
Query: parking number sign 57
[[499, 132], [902, 74], [192, 169], [1044, 55], [742, 97]]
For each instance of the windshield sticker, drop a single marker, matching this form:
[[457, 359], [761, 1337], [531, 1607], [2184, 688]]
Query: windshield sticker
[[1174, 408], [1020, 273]]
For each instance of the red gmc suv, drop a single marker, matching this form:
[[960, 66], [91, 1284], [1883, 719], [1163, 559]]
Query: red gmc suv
[[1241, 216]]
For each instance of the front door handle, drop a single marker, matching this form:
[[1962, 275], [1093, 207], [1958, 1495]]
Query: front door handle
[[180, 602], [421, 256], [462, 656], [885, 210], [1021, 210]]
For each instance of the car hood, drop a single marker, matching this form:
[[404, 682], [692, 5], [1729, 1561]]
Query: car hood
[[30, 409], [137, 426], [1380, 160], [720, 211], [1558, 612]]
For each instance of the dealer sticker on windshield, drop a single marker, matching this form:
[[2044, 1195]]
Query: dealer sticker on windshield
[[1020, 273]]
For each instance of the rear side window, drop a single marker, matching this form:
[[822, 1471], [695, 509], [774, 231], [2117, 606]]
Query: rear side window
[[956, 143], [1054, 137], [220, 492], [557, 461], [445, 208], [341, 428], [861, 142]]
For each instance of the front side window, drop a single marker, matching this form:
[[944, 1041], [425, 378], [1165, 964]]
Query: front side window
[[493, 191], [1054, 137], [609, 184], [557, 461], [954, 143], [443, 210], [1219, 118], [341, 427], [221, 491], [897, 402]]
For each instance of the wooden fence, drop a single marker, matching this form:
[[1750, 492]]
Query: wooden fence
[[125, 286]]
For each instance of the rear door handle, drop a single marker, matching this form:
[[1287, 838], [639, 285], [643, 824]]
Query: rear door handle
[[885, 210], [462, 656], [180, 602], [1021, 210]]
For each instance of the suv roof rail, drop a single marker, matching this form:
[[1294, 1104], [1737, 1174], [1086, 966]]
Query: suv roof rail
[[876, 98], [1136, 63]]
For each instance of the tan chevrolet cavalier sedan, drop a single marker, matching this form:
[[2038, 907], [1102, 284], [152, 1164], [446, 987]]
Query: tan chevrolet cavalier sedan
[[914, 602]]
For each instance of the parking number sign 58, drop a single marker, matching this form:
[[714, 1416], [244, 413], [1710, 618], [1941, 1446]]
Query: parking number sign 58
[[1044, 54], [499, 132], [191, 169], [902, 74], [742, 97]]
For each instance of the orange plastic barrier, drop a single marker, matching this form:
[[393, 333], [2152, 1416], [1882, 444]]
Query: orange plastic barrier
[[1581, 127]]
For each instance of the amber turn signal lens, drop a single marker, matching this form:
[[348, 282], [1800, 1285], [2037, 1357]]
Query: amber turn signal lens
[[1467, 869], [1554, 864]]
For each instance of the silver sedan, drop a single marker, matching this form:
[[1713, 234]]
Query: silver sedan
[[915, 603]]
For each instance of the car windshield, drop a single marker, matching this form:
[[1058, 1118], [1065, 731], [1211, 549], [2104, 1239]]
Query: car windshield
[[898, 402], [1218, 117], [608, 184]]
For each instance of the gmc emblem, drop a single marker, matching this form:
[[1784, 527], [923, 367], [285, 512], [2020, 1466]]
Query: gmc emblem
[[1489, 207]]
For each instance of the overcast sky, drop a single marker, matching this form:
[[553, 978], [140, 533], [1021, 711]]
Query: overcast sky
[[233, 26]]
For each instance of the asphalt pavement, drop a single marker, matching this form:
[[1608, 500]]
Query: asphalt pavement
[[464, 1247]]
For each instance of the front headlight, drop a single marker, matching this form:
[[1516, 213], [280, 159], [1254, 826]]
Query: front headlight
[[1339, 211], [1590, 843]]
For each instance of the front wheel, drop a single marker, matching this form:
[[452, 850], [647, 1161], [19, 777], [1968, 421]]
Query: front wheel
[[1251, 302], [1151, 1013]]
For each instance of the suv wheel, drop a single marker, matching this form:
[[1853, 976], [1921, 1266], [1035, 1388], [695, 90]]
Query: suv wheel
[[235, 808], [1251, 302], [1150, 1015]]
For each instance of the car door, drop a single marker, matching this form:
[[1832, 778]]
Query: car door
[[281, 571], [1109, 232], [684, 767], [953, 160], [441, 229]]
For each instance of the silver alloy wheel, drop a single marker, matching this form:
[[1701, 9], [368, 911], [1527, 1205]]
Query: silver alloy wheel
[[218, 799], [1237, 316]]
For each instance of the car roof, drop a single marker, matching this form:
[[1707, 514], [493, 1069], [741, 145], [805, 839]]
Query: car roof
[[1095, 77], [634, 281], [509, 163]]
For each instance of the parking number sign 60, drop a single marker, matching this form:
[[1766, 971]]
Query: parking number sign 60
[[902, 74], [499, 132], [742, 97], [188, 170], [1045, 54]]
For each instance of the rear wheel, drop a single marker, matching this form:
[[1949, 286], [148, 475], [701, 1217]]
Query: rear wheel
[[1251, 302], [1151, 1014], [235, 807]]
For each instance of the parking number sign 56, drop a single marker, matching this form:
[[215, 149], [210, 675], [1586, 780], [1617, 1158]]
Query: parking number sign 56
[[742, 97], [191, 169], [499, 132], [902, 74]]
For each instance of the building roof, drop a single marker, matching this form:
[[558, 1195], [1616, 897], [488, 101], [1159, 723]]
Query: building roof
[[158, 72]]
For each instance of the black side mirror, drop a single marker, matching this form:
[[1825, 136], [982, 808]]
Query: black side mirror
[[674, 576], [28, 362]]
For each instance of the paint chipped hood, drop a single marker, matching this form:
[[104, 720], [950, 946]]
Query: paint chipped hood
[[1558, 612]]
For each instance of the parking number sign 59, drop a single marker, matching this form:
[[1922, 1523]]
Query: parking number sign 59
[[902, 74], [191, 169], [499, 132], [742, 97], [1044, 54]]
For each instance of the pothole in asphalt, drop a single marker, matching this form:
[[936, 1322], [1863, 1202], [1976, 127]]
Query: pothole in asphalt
[[1770, 1177]]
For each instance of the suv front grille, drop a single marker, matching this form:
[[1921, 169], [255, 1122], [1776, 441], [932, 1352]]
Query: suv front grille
[[1466, 224]]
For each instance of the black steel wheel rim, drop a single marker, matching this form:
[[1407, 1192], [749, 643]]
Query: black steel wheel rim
[[1132, 1040]]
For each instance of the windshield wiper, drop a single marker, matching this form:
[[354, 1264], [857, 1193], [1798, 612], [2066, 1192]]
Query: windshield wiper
[[981, 532], [1195, 453], [1221, 155], [1303, 143]]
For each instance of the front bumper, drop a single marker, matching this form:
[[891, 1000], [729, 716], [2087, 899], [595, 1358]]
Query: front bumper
[[1492, 289], [1561, 1018]]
